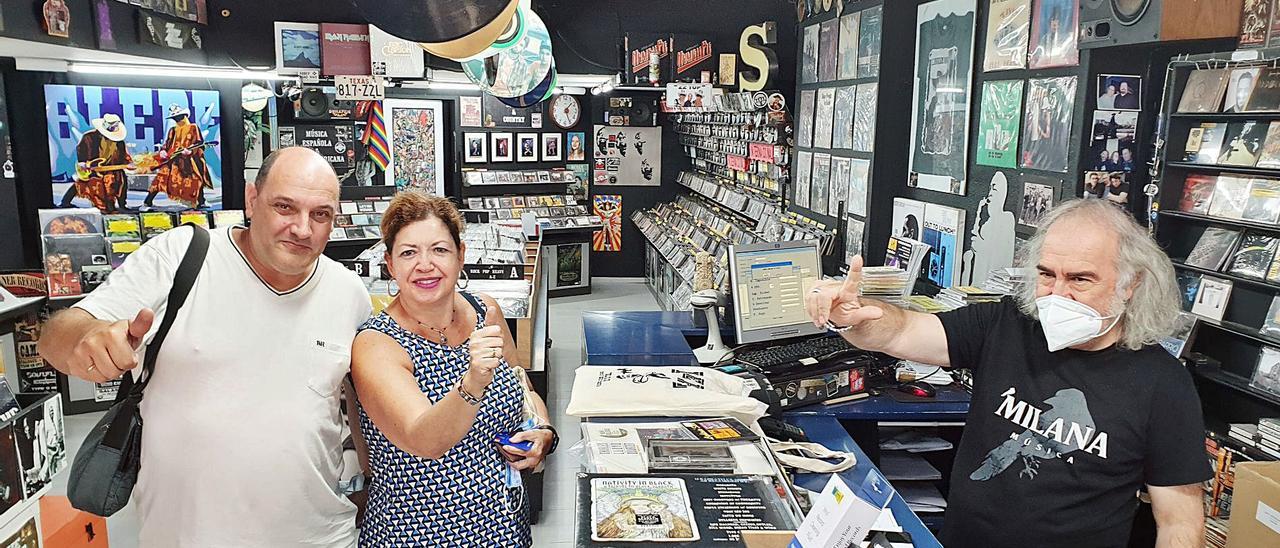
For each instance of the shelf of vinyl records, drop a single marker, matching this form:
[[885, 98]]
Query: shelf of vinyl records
[[81, 247], [747, 203]]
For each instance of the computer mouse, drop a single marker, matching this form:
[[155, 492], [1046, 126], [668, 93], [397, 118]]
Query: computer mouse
[[918, 389]]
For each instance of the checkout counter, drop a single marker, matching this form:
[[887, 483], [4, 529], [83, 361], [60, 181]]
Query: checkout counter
[[642, 338]]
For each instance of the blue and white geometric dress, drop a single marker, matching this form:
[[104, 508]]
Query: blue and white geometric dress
[[460, 499]]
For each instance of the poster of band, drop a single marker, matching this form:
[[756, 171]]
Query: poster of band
[[628, 156], [940, 106], [415, 130], [1008, 29], [1046, 125], [121, 149], [998, 123]]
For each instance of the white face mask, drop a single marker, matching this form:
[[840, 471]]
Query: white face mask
[[1068, 323]]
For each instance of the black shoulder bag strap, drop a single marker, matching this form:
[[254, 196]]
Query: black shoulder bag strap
[[130, 388]]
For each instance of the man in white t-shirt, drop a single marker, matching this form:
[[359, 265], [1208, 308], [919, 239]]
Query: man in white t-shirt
[[242, 438]]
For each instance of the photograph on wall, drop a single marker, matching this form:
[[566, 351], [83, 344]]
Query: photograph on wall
[[842, 118], [1255, 17], [1008, 29], [1114, 132], [1239, 89], [998, 123], [120, 149], [526, 147], [804, 120], [1095, 184], [869, 30], [804, 165], [502, 148], [822, 118], [476, 143], [1053, 33], [1117, 191], [1046, 124], [628, 156], [577, 151], [864, 117], [1204, 90], [42, 449], [828, 45], [552, 147], [1037, 200], [820, 184], [809, 55], [415, 130], [940, 106], [1119, 92], [608, 211], [297, 47], [848, 58]]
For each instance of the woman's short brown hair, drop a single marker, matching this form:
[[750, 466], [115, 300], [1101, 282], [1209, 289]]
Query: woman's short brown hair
[[411, 206]]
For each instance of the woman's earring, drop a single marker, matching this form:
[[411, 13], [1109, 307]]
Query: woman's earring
[[396, 287], [465, 277]]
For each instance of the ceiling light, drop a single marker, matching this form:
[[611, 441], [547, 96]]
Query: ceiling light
[[221, 73]]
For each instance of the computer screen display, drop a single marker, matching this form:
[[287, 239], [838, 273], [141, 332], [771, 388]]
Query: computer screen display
[[770, 282]]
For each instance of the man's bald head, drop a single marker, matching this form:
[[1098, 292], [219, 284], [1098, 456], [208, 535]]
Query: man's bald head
[[295, 163]]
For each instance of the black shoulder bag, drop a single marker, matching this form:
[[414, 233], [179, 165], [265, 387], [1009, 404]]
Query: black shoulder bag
[[106, 467]]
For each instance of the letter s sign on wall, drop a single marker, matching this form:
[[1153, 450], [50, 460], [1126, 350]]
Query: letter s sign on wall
[[761, 58]]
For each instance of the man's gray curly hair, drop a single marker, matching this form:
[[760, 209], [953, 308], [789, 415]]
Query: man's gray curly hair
[[1151, 313]]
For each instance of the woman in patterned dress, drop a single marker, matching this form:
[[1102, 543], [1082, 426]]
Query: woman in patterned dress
[[438, 475]]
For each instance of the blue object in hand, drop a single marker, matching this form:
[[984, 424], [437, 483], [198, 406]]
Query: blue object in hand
[[505, 439]]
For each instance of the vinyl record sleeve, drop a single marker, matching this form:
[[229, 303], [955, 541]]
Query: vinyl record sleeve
[[1213, 248], [1254, 256], [1229, 197], [1197, 192]]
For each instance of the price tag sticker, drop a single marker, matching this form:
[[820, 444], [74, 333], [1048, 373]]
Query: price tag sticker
[[359, 88], [311, 76]]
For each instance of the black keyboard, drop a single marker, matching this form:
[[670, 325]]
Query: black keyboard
[[803, 352]]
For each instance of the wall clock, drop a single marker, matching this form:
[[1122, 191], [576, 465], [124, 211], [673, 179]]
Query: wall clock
[[565, 111]]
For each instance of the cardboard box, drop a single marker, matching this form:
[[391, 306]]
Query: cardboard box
[[1255, 506], [66, 527], [767, 539]]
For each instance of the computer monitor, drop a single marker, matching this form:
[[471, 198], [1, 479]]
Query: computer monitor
[[769, 283]]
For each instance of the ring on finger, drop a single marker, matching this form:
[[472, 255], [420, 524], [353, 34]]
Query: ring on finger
[[90, 368]]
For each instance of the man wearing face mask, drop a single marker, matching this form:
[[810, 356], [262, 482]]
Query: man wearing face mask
[[1075, 405]]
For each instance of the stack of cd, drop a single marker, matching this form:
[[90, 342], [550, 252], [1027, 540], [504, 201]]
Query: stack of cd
[[885, 283], [1269, 436], [1244, 433], [957, 297], [1215, 532], [1008, 281], [928, 305]]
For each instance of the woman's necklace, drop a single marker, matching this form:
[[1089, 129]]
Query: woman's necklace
[[444, 339]]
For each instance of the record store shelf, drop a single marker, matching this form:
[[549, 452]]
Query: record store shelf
[[1235, 382], [1233, 277], [1257, 171], [1227, 115], [1224, 221]]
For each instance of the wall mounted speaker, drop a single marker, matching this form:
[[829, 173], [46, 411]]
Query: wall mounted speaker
[[1106, 23], [317, 104]]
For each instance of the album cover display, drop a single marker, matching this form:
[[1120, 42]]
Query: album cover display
[[842, 122], [11, 488], [869, 29], [1240, 88], [998, 123], [1264, 201], [822, 118], [943, 233], [1254, 19], [1213, 248], [864, 117], [848, 58], [1197, 192], [1271, 324], [41, 440], [859, 179], [1008, 31], [804, 163], [1053, 33], [1188, 288], [804, 120], [1046, 125], [1242, 143], [1270, 155], [1211, 301], [940, 100], [828, 46], [1204, 90], [1229, 197], [641, 509], [809, 55], [1212, 137], [821, 182], [1266, 376], [854, 230], [841, 175], [1253, 257], [1266, 92]]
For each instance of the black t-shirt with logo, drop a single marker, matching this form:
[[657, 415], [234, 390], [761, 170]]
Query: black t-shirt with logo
[[1057, 444]]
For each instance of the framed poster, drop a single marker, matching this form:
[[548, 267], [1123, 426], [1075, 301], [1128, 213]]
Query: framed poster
[[998, 123], [476, 144], [1046, 124], [503, 147], [1008, 30], [526, 147], [577, 151], [336, 142], [415, 129], [628, 156], [297, 47], [940, 106], [105, 143], [608, 209], [1053, 33], [552, 147], [470, 113]]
